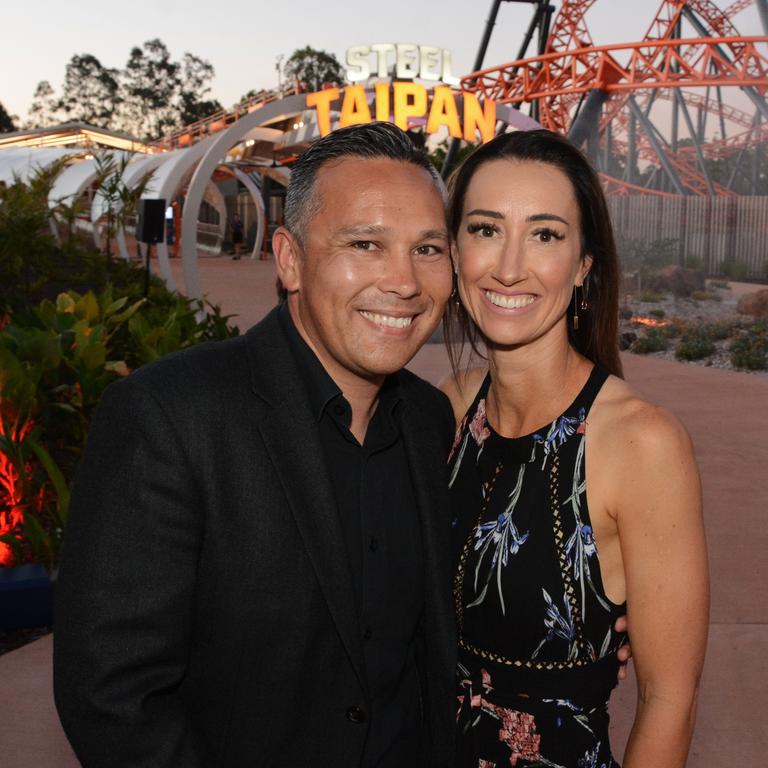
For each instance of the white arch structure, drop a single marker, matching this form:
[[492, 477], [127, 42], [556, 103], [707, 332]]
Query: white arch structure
[[258, 202], [248, 127], [170, 171]]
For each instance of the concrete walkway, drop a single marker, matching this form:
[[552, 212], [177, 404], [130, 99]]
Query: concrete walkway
[[727, 416]]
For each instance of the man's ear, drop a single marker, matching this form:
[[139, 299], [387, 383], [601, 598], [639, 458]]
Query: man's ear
[[287, 258]]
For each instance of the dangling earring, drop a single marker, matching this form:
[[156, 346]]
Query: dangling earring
[[575, 309], [455, 298], [582, 304]]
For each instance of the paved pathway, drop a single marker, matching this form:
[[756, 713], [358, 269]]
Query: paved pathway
[[727, 415]]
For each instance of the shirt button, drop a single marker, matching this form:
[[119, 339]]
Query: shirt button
[[374, 545], [356, 715], [368, 634]]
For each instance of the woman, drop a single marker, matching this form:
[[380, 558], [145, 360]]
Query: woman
[[575, 500]]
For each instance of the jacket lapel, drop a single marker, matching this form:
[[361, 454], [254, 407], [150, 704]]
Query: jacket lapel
[[292, 439]]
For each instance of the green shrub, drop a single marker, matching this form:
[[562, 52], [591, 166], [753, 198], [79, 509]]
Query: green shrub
[[719, 284], [55, 362], [705, 296], [654, 340], [718, 331], [694, 262], [659, 314], [695, 344], [733, 269], [649, 297], [750, 348], [673, 329]]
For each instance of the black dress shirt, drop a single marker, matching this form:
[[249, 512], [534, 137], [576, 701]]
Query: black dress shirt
[[380, 520]]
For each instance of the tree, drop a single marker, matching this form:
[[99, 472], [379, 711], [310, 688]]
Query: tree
[[151, 83], [7, 122], [91, 92], [45, 108], [438, 154], [313, 69], [149, 95], [194, 86]]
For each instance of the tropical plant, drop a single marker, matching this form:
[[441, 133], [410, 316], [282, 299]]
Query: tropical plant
[[120, 198], [55, 363]]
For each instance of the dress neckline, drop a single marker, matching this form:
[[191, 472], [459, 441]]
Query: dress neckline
[[576, 410]]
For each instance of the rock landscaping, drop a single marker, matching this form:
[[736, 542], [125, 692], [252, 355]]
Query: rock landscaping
[[711, 323]]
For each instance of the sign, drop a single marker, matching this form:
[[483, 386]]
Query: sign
[[411, 61], [402, 103]]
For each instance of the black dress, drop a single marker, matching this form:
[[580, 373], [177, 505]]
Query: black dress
[[537, 649]]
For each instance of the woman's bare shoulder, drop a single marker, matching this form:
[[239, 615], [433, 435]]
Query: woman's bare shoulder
[[631, 428], [461, 389]]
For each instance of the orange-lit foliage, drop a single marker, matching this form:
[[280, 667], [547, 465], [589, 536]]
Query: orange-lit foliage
[[651, 322], [12, 502]]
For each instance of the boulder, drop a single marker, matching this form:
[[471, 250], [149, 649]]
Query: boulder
[[755, 304], [626, 340], [678, 281]]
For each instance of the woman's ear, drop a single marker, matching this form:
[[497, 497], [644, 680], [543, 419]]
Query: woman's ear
[[586, 266]]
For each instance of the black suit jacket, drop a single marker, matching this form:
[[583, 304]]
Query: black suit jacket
[[204, 608]]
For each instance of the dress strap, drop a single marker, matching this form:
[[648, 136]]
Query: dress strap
[[591, 389]]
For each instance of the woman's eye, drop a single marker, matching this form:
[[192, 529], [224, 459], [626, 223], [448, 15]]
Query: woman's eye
[[484, 230], [547, 235]]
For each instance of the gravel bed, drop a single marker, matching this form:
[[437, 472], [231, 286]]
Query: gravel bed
[[691, 312]]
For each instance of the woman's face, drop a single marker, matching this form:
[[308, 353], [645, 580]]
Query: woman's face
[[519, 250]]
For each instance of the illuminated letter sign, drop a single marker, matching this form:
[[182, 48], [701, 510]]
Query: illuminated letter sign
[[410, 61], [404, 102]]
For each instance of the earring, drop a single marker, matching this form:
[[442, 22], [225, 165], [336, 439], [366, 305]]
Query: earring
[[455, 291], [582, 305]]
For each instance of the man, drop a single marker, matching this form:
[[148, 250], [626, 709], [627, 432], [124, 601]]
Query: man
[[255, 567]]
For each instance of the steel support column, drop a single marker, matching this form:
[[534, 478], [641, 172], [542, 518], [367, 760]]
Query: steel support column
[[696, 142], [647, 127]]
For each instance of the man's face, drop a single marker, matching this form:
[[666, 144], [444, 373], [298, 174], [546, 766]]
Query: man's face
[[368, 284]]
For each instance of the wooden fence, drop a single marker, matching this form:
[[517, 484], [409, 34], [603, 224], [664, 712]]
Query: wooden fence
[[713, 232]]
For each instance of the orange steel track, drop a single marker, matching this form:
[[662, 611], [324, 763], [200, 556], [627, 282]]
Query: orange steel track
[[573, 65], [652, 64]]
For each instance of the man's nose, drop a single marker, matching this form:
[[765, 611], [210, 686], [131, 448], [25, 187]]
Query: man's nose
[[400, 275]]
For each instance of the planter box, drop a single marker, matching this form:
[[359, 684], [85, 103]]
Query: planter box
[[26, 597]]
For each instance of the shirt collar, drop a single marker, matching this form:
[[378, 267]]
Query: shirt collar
[[322, 389]]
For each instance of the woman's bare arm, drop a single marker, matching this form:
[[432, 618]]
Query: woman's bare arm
[[661, 534]]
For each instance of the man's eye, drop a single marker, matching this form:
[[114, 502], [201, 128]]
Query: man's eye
[[363, 245], [429, 250]]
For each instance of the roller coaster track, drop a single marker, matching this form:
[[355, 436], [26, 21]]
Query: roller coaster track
[[652, 64]]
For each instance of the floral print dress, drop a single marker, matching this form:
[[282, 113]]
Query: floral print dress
[[537, 649]]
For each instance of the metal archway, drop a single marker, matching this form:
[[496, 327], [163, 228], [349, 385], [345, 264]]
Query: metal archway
[[247, 127]]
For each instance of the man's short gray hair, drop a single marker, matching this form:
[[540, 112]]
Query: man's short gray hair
[[371, 141]]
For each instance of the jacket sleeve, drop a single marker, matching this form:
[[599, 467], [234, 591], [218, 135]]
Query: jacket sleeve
[[124, 596]]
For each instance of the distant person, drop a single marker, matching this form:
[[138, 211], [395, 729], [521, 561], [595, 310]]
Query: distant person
[[575, 501], [237, 234]]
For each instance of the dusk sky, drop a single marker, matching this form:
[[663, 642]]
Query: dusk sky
[[242, 39]]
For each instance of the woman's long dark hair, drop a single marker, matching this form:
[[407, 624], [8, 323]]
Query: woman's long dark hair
[[597, 335]]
